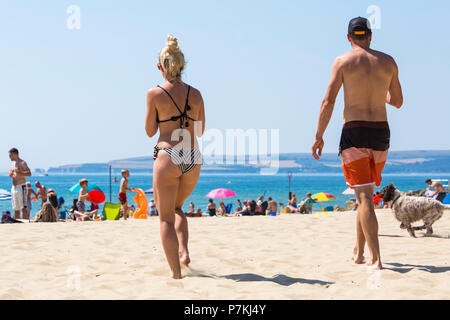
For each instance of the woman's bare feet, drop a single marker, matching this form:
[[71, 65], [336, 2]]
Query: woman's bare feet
[[358, 256]]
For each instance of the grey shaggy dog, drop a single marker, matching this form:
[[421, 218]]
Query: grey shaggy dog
[[411, 209]]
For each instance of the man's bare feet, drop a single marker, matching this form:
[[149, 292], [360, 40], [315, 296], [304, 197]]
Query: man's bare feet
[[375, 265]]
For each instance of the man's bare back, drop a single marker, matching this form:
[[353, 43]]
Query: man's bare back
[[367, 77]]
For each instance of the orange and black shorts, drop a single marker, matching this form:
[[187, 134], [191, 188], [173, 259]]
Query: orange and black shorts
[[363, 149]]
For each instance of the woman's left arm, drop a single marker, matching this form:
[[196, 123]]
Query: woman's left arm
[[151, 126]]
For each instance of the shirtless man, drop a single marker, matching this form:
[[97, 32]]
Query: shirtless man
[[42, 192], [123, 192], [18, 174], [370, 80], [272, 207]]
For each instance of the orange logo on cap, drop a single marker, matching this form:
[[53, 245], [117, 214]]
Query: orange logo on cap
[[359, 32]]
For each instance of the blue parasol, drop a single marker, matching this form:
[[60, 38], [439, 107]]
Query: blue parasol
[[91, 186]]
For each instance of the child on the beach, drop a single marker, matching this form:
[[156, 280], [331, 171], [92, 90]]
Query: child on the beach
[[82, 196], [94, 210], [123, 192]]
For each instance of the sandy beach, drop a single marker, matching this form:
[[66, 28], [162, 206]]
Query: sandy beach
[[284, 257]]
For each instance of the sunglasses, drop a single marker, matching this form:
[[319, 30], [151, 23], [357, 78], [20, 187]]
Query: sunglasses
[[159, 67]]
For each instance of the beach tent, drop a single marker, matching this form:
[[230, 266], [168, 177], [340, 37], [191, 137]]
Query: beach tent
[[111, 211]]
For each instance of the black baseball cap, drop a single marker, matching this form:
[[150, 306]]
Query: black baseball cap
[[359, 26]]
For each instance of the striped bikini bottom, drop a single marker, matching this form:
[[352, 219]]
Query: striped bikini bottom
[[186, 160]]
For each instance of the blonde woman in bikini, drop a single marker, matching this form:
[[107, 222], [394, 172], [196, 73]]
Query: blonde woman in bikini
[[176, 109]]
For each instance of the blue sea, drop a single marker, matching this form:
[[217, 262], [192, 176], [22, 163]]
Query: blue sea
[[247, 187]]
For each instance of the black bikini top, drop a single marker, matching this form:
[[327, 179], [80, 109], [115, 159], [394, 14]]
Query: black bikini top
[[183, 115]]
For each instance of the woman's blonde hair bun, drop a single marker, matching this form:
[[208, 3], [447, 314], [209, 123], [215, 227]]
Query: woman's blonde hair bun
[[172, 43], [172, 59]]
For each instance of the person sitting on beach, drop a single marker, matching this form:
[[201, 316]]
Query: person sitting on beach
[[53, 200], [46, 214], [41, 192], [259, 201], [307, 204], [191, 208], [211, 208], [76, 215], [273, 208], [439, 191], [239, 206], [195, 214], [62, 211], [293, 203], [123, 192], [222, 209], [243, 212], [94, 210]]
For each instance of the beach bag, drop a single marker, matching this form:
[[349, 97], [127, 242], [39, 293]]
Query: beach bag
[[6, 218]]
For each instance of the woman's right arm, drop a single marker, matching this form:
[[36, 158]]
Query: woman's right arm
[[151, 126]]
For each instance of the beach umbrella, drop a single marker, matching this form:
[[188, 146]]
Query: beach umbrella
[[5, 195], [91, 186], [96, 196], [322, 196], [221, 193], [349, 191], [149, 190]]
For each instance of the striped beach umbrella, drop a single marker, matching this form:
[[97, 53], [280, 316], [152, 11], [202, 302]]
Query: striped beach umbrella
[[322, 196], [5, 195]]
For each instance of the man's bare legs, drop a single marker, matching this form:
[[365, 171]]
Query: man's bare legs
[[25, 214], [16, 214], [368, 224], [358, 252]]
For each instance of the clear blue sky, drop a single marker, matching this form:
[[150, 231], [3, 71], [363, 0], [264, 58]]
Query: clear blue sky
[[75, 96]]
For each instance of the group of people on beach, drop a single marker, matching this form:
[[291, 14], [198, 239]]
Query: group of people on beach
[[51, 207], [176, 110], [258, 207]]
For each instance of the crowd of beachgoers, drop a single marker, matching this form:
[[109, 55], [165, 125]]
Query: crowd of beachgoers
[[53, 208]]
